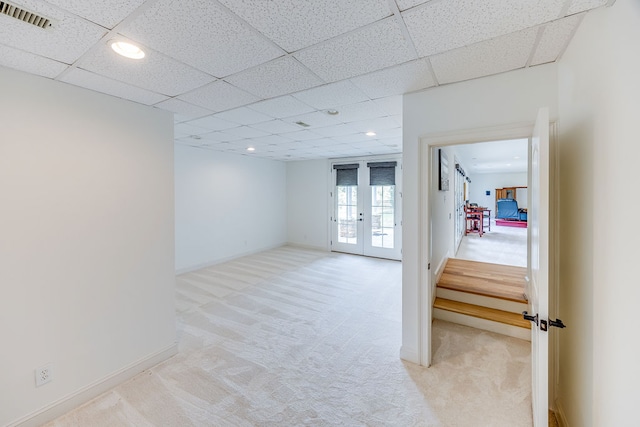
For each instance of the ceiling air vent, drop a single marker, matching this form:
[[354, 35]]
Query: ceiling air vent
[[303, 124], [24, 15]]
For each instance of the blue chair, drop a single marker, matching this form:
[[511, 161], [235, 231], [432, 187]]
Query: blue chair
[[507, 209]]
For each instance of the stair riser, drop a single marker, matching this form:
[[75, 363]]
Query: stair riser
[[487, 325], [483, 301]]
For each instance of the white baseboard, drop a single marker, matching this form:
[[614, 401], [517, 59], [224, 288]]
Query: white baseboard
[[91, 391], [409, 355], [481, 300], [560, 414], [226, 259], [487, 325]]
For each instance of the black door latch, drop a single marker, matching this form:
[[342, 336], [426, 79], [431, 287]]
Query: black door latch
[[557, 323], [527, 316]]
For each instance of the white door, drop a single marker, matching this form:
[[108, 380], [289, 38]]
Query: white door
[[366, 218], [538, 292]]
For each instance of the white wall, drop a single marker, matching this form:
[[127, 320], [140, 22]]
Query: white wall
[[480, 182], [87, 243], [599, 105], [503, 99], [442, 213], [307, 203], [227, 205]]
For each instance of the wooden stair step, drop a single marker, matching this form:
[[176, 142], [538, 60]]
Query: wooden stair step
[[480, 278], [513, 319]]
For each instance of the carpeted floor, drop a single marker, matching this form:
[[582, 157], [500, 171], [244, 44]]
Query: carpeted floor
[[501, 245], [293, 337]]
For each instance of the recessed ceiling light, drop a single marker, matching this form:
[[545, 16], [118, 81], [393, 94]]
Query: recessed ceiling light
[[251, 149], [516, 157], [370, 133], [508, 164], [127, 50], [333, 112]]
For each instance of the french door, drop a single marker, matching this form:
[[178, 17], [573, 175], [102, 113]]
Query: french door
[[366, 208]]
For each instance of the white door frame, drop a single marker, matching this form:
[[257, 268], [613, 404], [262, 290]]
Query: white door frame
[[426, 289]]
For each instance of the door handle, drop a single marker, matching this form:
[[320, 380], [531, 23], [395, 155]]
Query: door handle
[[527, 316]]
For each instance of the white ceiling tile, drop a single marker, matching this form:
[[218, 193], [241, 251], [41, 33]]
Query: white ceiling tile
[[332, 95], [228, 137], [245, 132], [107, 13], [213, 123], [215, 137], [284, 106], [285, 75], [182, 130], [66, 40], [389, 133], [438, 26], [375, 125], [336, 130], [360, 111], [482, 59], [356, 137], [183, 109], [301, 135], [276, 126], [407, 4], [295, 24], [315, 120], [578, 6], [219, 96], [270, 140], [243, 116], [188, 142], [554, 39], [155, 72], [203, 34], [112, 87], [29, 62], [371, 48], [405, 78], [390, 104]]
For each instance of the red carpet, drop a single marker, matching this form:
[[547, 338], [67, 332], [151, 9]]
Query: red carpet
[[511, 223]]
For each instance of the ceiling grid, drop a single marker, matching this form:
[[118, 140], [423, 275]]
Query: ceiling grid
[[243, 74]]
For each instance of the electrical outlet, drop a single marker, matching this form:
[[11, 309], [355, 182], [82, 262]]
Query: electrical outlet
[[44, 374]]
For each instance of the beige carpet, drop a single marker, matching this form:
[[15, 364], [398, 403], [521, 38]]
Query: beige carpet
[[294, 337], [501, 245]]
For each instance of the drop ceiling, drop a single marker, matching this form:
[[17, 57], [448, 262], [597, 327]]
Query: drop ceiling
[[245, 73]]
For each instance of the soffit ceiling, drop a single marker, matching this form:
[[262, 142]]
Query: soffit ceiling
[[241, 74]]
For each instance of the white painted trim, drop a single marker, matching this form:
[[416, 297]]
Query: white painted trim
[[409, 354], [436, 278], [425, 291], [481, 300], [93, 390], [227, 259], [484, 324], [560, 414], [427, 142]]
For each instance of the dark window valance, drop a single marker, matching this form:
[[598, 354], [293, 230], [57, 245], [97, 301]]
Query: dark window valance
[[382, 173]]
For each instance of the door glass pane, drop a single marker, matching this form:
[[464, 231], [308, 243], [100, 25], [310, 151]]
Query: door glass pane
[[347, 217], [382, 216]]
